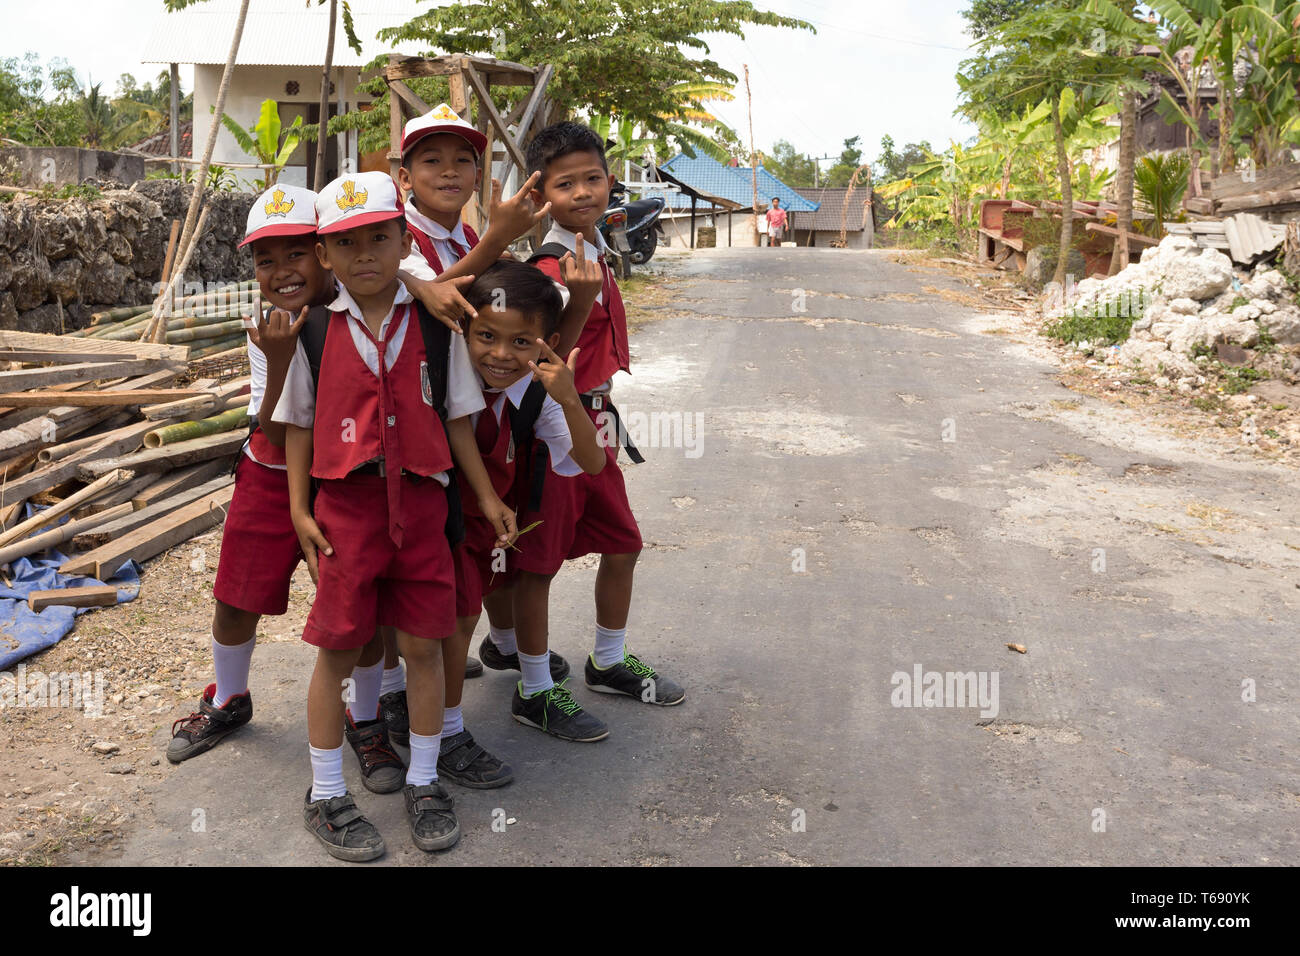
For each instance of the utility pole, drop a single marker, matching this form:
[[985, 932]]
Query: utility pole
[[753, 156]]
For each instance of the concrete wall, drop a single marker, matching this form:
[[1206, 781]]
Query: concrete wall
[[63, 165], [740, 232], [249, 86]]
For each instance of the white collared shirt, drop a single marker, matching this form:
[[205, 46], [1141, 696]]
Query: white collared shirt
[[591, 252], [551, 426], [442, 237], [298, 399]]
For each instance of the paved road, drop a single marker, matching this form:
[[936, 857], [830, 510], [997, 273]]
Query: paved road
[[823, 437]]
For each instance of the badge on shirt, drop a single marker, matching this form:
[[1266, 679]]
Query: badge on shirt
[[510, 446], [426, 388]]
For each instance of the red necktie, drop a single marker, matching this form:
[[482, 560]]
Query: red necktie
[[388, 433], [488, 428], [456, 247]]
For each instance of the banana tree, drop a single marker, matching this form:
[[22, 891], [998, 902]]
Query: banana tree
[[267, 140]]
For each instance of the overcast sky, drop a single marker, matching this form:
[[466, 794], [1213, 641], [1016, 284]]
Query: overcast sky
[[873, 67]]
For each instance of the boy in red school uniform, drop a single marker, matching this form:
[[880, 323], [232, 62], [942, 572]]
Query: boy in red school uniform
[[259, 547], [587, 513], [510, 341], [442, 157], [366, 426]]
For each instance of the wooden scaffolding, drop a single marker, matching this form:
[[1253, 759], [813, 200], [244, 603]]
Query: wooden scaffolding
[[471, 79]]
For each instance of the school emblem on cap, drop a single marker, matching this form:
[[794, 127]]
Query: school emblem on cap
[[351, 199], [445, 113], [278, 205]]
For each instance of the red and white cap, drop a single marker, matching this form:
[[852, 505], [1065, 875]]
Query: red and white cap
[[281, 211], [441, 119], [357, 199]]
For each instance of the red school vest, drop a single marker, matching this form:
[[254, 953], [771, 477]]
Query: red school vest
[[425, 244], [604, 338], [263, 450], [353, 404], [496, 449]]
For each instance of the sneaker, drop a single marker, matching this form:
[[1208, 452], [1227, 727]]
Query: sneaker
[[494, 659], [433, 822], [635, 678], [555, 712], [393, 712], [464, 762], [473, 667], [338, 824], [382, 771], [203, 730]]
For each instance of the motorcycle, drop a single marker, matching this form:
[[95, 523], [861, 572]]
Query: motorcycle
[[632, 228]]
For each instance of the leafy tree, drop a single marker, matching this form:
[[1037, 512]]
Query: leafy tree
[[844, 168], [619, 58], [791, 167], [987, 16], [40, 104], [1042, 55], [891, 164]]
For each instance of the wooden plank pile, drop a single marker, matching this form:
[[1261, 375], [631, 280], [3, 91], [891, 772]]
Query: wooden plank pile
[[209, 323], [1273, 192], [120, 438]]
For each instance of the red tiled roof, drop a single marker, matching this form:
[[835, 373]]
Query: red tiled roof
[[160, 144]]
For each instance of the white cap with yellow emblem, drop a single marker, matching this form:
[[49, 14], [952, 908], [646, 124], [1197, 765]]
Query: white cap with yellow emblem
[[281, 211], [357, 199], [441, 119]]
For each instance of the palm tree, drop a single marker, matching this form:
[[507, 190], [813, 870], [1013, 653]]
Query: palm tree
[[96, 117]]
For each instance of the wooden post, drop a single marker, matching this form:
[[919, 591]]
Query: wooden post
[[394, 128], [693, 222], [174, 122]]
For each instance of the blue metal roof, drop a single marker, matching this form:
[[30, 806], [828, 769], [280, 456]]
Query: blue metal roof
[[706, 175]]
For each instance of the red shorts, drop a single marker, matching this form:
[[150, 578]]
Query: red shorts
[[259, 548], [368, 582], [584, 514], [478, 570]]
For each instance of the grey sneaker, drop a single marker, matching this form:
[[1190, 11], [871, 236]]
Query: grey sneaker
[[433, 821], [340, 826], [635, 678], [555, 712]]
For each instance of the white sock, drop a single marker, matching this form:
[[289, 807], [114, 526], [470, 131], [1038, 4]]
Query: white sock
[[394, 680], [327, 774], [536, 670], [503, 638], [453, 721], [609, 646], [365, 684], [232, 669], [423, 769]]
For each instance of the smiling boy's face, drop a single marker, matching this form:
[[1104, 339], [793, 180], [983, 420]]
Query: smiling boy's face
[[288, 272], [365, 259], [502, 342], [441, 171], [577, 186]]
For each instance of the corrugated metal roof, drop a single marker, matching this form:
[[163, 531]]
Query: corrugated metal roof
[[706, 175], [769, 186], [276, 33], [828, 216]]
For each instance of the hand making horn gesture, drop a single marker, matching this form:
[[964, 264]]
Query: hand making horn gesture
[[277, 334], [518, 214], [555, 374]]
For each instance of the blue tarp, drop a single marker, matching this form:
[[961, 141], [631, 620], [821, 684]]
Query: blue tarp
[[24, 633]]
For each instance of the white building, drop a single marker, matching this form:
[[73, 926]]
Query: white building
[[281, 56]]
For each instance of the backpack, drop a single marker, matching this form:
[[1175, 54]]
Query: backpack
[[555, 250], [437, 342], [532, 457]]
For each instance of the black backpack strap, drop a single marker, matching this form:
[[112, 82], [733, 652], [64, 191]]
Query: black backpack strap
[[437, 347], [532, 457], [549, 250], [312, 338]]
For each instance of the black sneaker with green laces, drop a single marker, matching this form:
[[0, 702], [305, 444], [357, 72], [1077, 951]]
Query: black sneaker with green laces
[[341, 827], [635, 678], [493, 658], [464, 762], [555, 712]]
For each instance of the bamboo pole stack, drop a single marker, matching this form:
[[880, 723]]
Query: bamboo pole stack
[[126, 450]]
